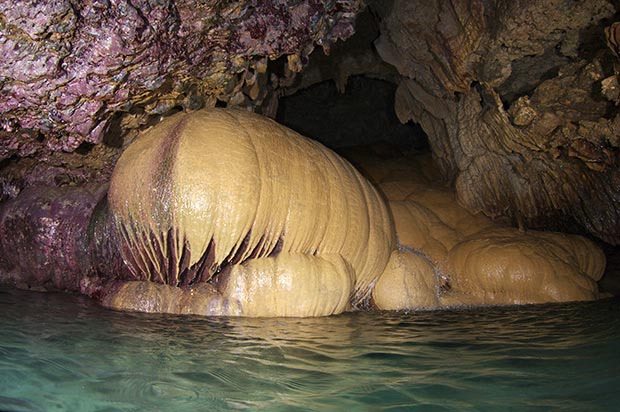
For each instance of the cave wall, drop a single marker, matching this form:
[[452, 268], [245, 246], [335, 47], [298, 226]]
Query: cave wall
[[518, 98], [70, 66], [79, 78]]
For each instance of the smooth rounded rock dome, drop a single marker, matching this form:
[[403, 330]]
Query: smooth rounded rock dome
[[213, 195]]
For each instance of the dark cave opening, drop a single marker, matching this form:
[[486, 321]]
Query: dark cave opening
[[362, 115]]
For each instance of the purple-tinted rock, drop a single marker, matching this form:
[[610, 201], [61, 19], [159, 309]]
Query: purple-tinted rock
[[69, 66], [44, 240]]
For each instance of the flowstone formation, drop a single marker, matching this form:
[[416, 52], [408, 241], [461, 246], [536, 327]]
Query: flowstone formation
[[450, 257], [301, 233], [225, 212], [519, 100], [276, 223]]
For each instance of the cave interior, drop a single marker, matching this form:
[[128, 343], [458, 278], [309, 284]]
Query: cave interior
[[516, 102]]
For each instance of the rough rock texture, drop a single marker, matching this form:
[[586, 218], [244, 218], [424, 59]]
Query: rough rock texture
[[70, 68], [353, 57], [57, 169], [519, 99], [44, 243]]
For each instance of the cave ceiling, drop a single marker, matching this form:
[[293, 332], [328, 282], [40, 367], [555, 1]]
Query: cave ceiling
[[519, 99]]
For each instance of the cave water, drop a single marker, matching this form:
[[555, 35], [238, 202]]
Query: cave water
[[462, 258], [60, 352]]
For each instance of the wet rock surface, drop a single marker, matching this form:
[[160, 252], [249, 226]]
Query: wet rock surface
[[519, 101], [449, 257], [519, 104], [44, 243]]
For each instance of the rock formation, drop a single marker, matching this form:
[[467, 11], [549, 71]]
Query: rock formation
[[450, 257], [78, 78], [519, 103], [265, 213], [519, 100], [225, 212], [69, 67]]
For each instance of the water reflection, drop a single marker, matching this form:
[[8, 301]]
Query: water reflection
[[60, 352]]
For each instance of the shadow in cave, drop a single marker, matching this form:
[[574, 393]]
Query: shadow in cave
[[363, 115]]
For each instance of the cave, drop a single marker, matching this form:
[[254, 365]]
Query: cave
[[265, 178]]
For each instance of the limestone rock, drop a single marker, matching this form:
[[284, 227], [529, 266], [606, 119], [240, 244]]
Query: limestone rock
[[467, 259], [504, 265], [206, 191], [71, 70], [519, 104], [409, 282]]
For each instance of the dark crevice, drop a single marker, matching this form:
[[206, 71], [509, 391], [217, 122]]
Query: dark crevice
[[592, 37], [362, 115], [528, 73], [6, 162], [113, 137], [204, 268], [84, 148]]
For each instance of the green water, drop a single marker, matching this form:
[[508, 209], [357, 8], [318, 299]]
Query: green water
[[65, 353]]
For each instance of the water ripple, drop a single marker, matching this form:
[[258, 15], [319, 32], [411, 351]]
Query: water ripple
[[64, 353]]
